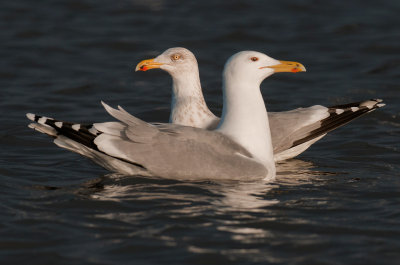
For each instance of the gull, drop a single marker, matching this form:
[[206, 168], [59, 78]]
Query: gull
[[292, 131], [238, 148]]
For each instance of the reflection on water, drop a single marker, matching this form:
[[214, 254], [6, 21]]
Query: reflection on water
[[297, 172], [223, 196], [231, 220]]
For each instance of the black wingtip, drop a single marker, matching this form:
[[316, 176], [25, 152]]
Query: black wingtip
[[340, 115]]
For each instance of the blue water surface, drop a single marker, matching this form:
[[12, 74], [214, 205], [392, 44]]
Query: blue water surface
[[337, 203]]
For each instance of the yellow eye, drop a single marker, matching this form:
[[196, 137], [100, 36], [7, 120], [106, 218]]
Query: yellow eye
[[254, 59], [175, 57]]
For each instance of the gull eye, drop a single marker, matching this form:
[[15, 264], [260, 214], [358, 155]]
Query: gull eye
[[175, 57], [254, 59]]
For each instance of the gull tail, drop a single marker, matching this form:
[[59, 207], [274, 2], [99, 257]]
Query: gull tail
[[83, 134], [80, 138]]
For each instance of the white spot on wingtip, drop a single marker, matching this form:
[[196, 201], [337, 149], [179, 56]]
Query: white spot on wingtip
[[381, 105], [76, 127], [354, 109], [58, 124], [93, 131], [339, 111], [42, 120], [369, 104], [30, 116]]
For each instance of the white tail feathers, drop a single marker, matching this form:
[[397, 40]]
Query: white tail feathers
[[43, 129], [31, 116]]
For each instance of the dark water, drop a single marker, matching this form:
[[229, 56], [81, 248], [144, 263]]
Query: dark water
[[338, 203]]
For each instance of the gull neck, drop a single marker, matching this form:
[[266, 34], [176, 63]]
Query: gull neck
[[188, 106], [245, 120]]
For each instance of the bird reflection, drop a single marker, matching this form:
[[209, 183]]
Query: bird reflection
[[244, 196], [196, 196], [297, 172], [165, 209]]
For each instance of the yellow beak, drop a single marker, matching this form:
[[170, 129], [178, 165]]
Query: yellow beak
[[287, 66], [147, 65]]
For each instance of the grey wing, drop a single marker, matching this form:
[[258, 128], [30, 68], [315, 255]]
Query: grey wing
[[287, 127], [132, 146], [177, 151], [304, 126]]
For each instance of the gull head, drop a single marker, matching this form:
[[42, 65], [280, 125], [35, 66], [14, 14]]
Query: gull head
[[174, 61], [252, 66]]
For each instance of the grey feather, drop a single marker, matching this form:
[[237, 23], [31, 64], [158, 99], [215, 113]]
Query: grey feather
[[178, 151]]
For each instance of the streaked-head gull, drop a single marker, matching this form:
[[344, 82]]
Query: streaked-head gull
[[240, 147], [292, 131]]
